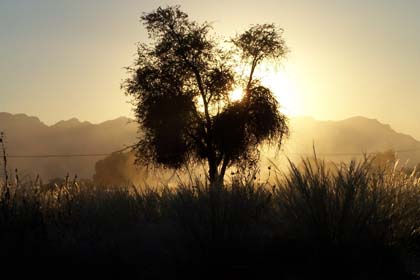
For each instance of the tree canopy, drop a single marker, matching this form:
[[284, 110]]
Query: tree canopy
[[181, 82]]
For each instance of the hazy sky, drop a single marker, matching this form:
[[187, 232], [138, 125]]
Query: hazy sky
[[65, 58]]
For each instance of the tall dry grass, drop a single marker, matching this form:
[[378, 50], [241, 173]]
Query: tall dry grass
[[355, 222]]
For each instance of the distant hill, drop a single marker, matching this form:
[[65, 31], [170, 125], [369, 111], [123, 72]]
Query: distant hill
[[356, 135], [27, 135]]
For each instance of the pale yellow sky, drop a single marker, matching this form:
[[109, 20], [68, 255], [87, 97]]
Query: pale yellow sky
[[64, 59]]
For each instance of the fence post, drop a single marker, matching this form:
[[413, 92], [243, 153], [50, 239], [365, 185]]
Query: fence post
[[3, 149]]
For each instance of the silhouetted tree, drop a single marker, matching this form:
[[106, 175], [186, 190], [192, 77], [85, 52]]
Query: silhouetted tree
[[181, 83], [115, 170]]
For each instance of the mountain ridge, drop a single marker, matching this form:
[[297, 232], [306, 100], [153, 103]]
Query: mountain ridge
[[28, 135]]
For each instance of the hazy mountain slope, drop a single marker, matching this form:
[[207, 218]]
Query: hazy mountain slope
[[353, 135], [29, 136]]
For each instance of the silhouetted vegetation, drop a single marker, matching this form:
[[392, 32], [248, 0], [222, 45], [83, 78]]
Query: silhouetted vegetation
[[117, 170], [353, 223], [181, 83]]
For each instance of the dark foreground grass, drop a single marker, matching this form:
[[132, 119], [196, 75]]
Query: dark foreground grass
[[352, 223]]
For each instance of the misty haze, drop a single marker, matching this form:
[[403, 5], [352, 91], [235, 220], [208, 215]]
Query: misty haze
[[210, 140]]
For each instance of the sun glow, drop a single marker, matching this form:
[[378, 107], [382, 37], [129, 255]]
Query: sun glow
[[283, 87], [280, 82], [236, 94]]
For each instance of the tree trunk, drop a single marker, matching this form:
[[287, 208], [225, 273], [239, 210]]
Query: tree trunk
[[225, 163], [213, 173]]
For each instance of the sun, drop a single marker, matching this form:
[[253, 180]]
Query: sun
[[283, 87], [236, 94], [281, 82]]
